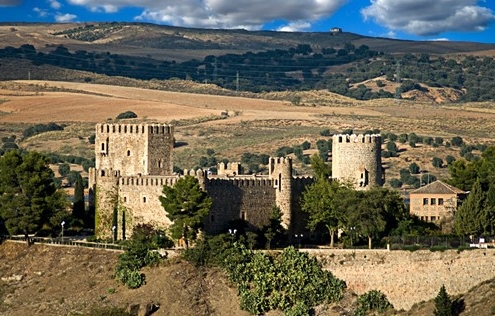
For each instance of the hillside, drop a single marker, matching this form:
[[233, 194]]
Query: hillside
[[236, 61], [177, 43], [258, 126], [59, 280]]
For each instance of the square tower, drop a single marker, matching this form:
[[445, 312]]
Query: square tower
[[135, 149]]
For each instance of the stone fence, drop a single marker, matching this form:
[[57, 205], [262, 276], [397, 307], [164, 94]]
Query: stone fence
[[409, 277]]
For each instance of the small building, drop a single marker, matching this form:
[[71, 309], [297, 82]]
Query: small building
[[335, 30], [435, 201]]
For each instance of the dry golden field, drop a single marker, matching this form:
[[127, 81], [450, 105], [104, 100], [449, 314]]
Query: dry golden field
[[252, 125]]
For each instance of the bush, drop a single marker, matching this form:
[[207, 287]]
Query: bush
[[126, 115], [325, 132], [437, 162], [41, 128], [414, 168], [457, 141], [395, 183], [372, 301]]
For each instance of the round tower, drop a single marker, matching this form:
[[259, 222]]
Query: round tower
[[357, 159], [280, 171]]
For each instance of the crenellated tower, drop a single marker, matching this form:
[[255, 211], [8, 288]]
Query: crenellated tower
[[126, 153], [134, 149], [280, 171], [356, 159]]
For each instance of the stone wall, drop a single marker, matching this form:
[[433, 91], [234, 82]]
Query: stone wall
[[409, 277], [357, 159]]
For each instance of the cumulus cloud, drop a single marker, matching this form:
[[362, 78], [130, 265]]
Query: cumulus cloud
[[40, 12], [248, 14], [10, 3], [297, 26], [67, 17], [54, 4], [429, 17]]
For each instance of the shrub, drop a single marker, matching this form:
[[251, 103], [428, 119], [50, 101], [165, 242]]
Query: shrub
[[41, 128], [449, 159], [395, 183], [372, 301], [414, 168], [437, 162], [126, 115], [325, 132], [457, 141]]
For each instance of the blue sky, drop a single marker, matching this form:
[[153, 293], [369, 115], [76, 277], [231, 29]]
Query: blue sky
[[463, 20]]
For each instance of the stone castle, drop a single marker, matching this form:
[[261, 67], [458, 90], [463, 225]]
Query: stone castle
[[134, 162]]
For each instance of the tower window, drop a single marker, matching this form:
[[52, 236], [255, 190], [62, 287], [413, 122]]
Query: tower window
[[102, 146], [125, 198], [243, 216], [144, 199], [128, 152]]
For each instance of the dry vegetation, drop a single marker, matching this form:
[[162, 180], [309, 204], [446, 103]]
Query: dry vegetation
[[256, 125]]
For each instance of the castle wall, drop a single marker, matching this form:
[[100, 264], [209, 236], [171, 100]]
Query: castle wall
[[250, 199], [357, 159], [139, 197], [408, 277]]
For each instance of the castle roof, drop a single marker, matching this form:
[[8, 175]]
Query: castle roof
[[438, 187]]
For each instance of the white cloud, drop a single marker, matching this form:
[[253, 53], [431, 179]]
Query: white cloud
[[298, 26], [247, 14], [67, 17], [429, 17], [54, 4], [41, 12]]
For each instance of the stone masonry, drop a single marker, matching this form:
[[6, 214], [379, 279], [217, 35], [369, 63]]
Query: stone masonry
[[134, 162]]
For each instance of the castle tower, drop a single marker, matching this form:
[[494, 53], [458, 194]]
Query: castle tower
[[357, 159], [134, 149], [127, 150], [280, 171]]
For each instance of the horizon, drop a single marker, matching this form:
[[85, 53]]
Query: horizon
[[441, 20]]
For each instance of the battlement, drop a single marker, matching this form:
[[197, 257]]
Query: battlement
[[148, 181], [240, 182], [229, 169], [108, 173], [134, 129], [280, 160], [365, 139]]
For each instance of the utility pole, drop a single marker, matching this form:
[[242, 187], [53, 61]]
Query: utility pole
[[237, 82], [397, 78]]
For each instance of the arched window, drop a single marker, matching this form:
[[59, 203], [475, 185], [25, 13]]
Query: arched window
[[128, 152], [144, 199]]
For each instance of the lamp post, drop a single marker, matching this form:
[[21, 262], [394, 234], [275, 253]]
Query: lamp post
[[113, 233], [232, 233], [62, 224], [298, 238]]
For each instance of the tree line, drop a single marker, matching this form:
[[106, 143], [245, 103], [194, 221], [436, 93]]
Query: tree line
[[299, 68]]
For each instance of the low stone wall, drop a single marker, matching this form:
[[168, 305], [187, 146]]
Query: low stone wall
[[409, 277]]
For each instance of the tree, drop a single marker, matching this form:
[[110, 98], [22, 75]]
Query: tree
[[320, 200], [457, 141], [28, 196], [78, 211], [414, 168], [364, 213], [443, 303], [321, 170], [64, 169], [437, 162], [468, 216], [186, 205]]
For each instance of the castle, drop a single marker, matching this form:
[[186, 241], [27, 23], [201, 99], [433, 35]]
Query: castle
[[134, 162]]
